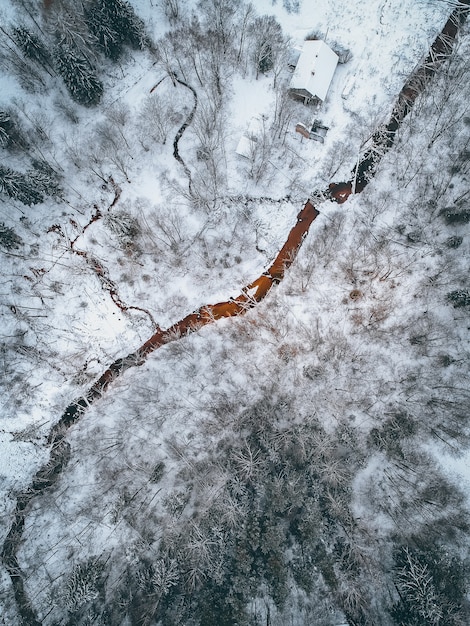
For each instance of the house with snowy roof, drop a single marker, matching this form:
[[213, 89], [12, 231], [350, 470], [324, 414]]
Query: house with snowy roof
[[314, 72]]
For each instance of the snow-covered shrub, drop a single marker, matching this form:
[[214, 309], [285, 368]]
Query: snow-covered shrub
[[67, 108], [455, 216], [344, 54], [175, 502], [392, 432], [164, 576], [8, 238], [157, 472], [454, 242], [83, 585], [314, 35], [459, 298], [124, 226]]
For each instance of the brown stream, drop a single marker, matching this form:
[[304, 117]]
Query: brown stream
[[250, 296]]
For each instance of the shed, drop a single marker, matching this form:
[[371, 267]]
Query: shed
[[314, 72], [247, 145]]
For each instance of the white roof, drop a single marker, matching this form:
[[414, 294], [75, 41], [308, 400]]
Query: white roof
[[246, 147], [315, 68], [247, 143]]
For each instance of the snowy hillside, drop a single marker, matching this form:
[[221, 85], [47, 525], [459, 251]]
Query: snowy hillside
[[304, 463]]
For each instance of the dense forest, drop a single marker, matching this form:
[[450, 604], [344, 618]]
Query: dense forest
[[304, 461]]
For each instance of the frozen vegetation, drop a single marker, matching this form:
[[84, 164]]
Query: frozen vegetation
[[306, 463]]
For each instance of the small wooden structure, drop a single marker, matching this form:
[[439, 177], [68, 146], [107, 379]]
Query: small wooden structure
[[302, 130], [317, 131]]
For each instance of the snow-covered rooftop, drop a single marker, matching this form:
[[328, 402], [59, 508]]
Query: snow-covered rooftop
[[247, 143], [245, 147], [315, 69]]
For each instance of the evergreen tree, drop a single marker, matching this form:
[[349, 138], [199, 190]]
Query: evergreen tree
[[114, 24], [6, 126], [100, 26], [8, 238], [78, 75], [128, 26], [45, 178], [9, 133], [19, 186], [31, 46], [459, 298]]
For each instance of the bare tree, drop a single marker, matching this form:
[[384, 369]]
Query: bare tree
[[246, 18], [110, 143], [155, 119], [172, 9], [266, 43], [259, 152], [70, 28], [219, 17], [12, 61], [284, 114]]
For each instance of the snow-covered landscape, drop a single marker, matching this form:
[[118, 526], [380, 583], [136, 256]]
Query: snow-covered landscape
[[305, 462]]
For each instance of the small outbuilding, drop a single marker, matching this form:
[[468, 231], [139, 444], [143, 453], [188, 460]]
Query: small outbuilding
[[317, 131], [247, 145], [314, 72]]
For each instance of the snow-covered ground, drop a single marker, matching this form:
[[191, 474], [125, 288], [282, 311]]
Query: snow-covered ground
[[61, 328]]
